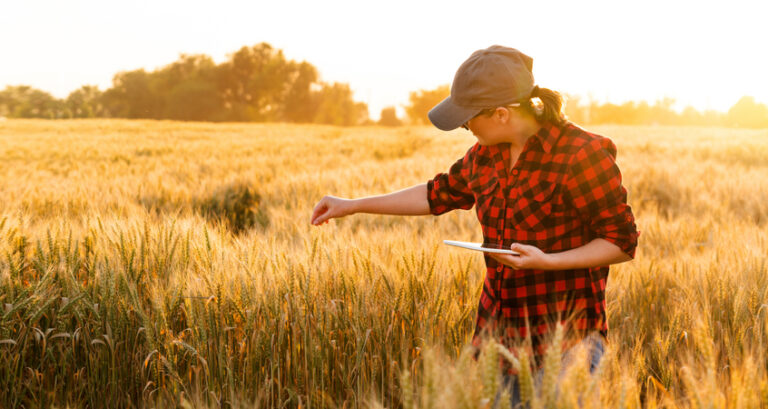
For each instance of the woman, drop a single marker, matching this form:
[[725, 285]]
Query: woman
[[542, 186]]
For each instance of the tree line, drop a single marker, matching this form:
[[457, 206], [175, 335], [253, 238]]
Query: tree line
[[259, 84], [746, 113], [255, 83]]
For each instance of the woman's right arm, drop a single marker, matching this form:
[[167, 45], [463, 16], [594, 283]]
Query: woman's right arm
[[410, 201]]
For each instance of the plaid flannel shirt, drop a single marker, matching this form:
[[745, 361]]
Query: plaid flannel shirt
[[564, 191]]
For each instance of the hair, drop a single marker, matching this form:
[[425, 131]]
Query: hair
[[548, 108], [544, 104]]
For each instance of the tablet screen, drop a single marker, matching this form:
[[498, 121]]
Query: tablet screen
[[487, 248]]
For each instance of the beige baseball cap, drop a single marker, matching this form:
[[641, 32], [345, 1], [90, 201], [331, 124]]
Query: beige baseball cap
[[495, 76]]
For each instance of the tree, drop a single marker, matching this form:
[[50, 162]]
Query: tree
[[389, 117], [132, 96], [189, 87], [185, 89], [23, 101], [424, 100], [300, 104], [255, 82], [193, 100], [690, 116], [748, 113], [85, 102], [335, 106]]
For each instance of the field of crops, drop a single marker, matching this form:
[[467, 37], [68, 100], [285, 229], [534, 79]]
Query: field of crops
[[156, 264]]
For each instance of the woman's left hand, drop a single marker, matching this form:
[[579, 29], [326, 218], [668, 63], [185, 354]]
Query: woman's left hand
[[530, 258]]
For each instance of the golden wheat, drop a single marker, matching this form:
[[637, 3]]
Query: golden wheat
[[116, 289]]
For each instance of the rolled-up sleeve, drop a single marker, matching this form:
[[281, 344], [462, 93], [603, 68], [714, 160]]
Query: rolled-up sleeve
[[449, 191], [594, 188]]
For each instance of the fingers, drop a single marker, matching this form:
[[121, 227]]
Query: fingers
[[523, 249], [320, 206], [323, 211], [318, 222], [511, 261], [517, 262], [321, 218], [317, 214]]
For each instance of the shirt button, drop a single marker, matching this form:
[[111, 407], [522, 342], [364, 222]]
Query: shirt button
[[499, 268], [514, 171]]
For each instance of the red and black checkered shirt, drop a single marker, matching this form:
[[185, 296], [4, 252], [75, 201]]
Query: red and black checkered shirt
[[563, 192]]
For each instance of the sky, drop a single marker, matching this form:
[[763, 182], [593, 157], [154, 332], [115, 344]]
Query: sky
[[706, 54]]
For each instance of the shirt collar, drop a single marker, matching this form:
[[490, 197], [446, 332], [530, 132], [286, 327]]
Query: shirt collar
[[548, 135]]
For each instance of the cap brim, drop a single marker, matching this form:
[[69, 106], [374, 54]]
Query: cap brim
[[448, 116]]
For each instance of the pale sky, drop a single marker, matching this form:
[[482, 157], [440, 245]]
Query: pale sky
[[702, 53]]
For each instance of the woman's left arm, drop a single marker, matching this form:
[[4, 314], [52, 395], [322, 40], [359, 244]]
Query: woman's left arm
[[598, 252]]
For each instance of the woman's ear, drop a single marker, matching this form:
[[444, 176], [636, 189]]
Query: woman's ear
[[502, 114]]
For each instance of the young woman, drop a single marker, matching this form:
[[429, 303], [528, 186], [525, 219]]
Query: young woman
[[541, 186]]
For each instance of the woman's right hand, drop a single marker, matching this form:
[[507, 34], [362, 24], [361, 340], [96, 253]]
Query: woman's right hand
[[329, 207]]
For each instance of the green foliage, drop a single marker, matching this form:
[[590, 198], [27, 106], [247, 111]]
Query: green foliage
[[236, 205]]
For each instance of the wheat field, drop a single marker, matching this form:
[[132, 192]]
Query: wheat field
[[169, 264]]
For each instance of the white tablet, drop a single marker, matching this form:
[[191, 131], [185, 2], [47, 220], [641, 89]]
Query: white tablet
[[479, 247]]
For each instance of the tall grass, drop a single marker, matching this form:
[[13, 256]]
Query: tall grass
[[119, 289]]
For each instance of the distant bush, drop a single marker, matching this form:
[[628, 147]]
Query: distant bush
[[389, 117], [235, 205]]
